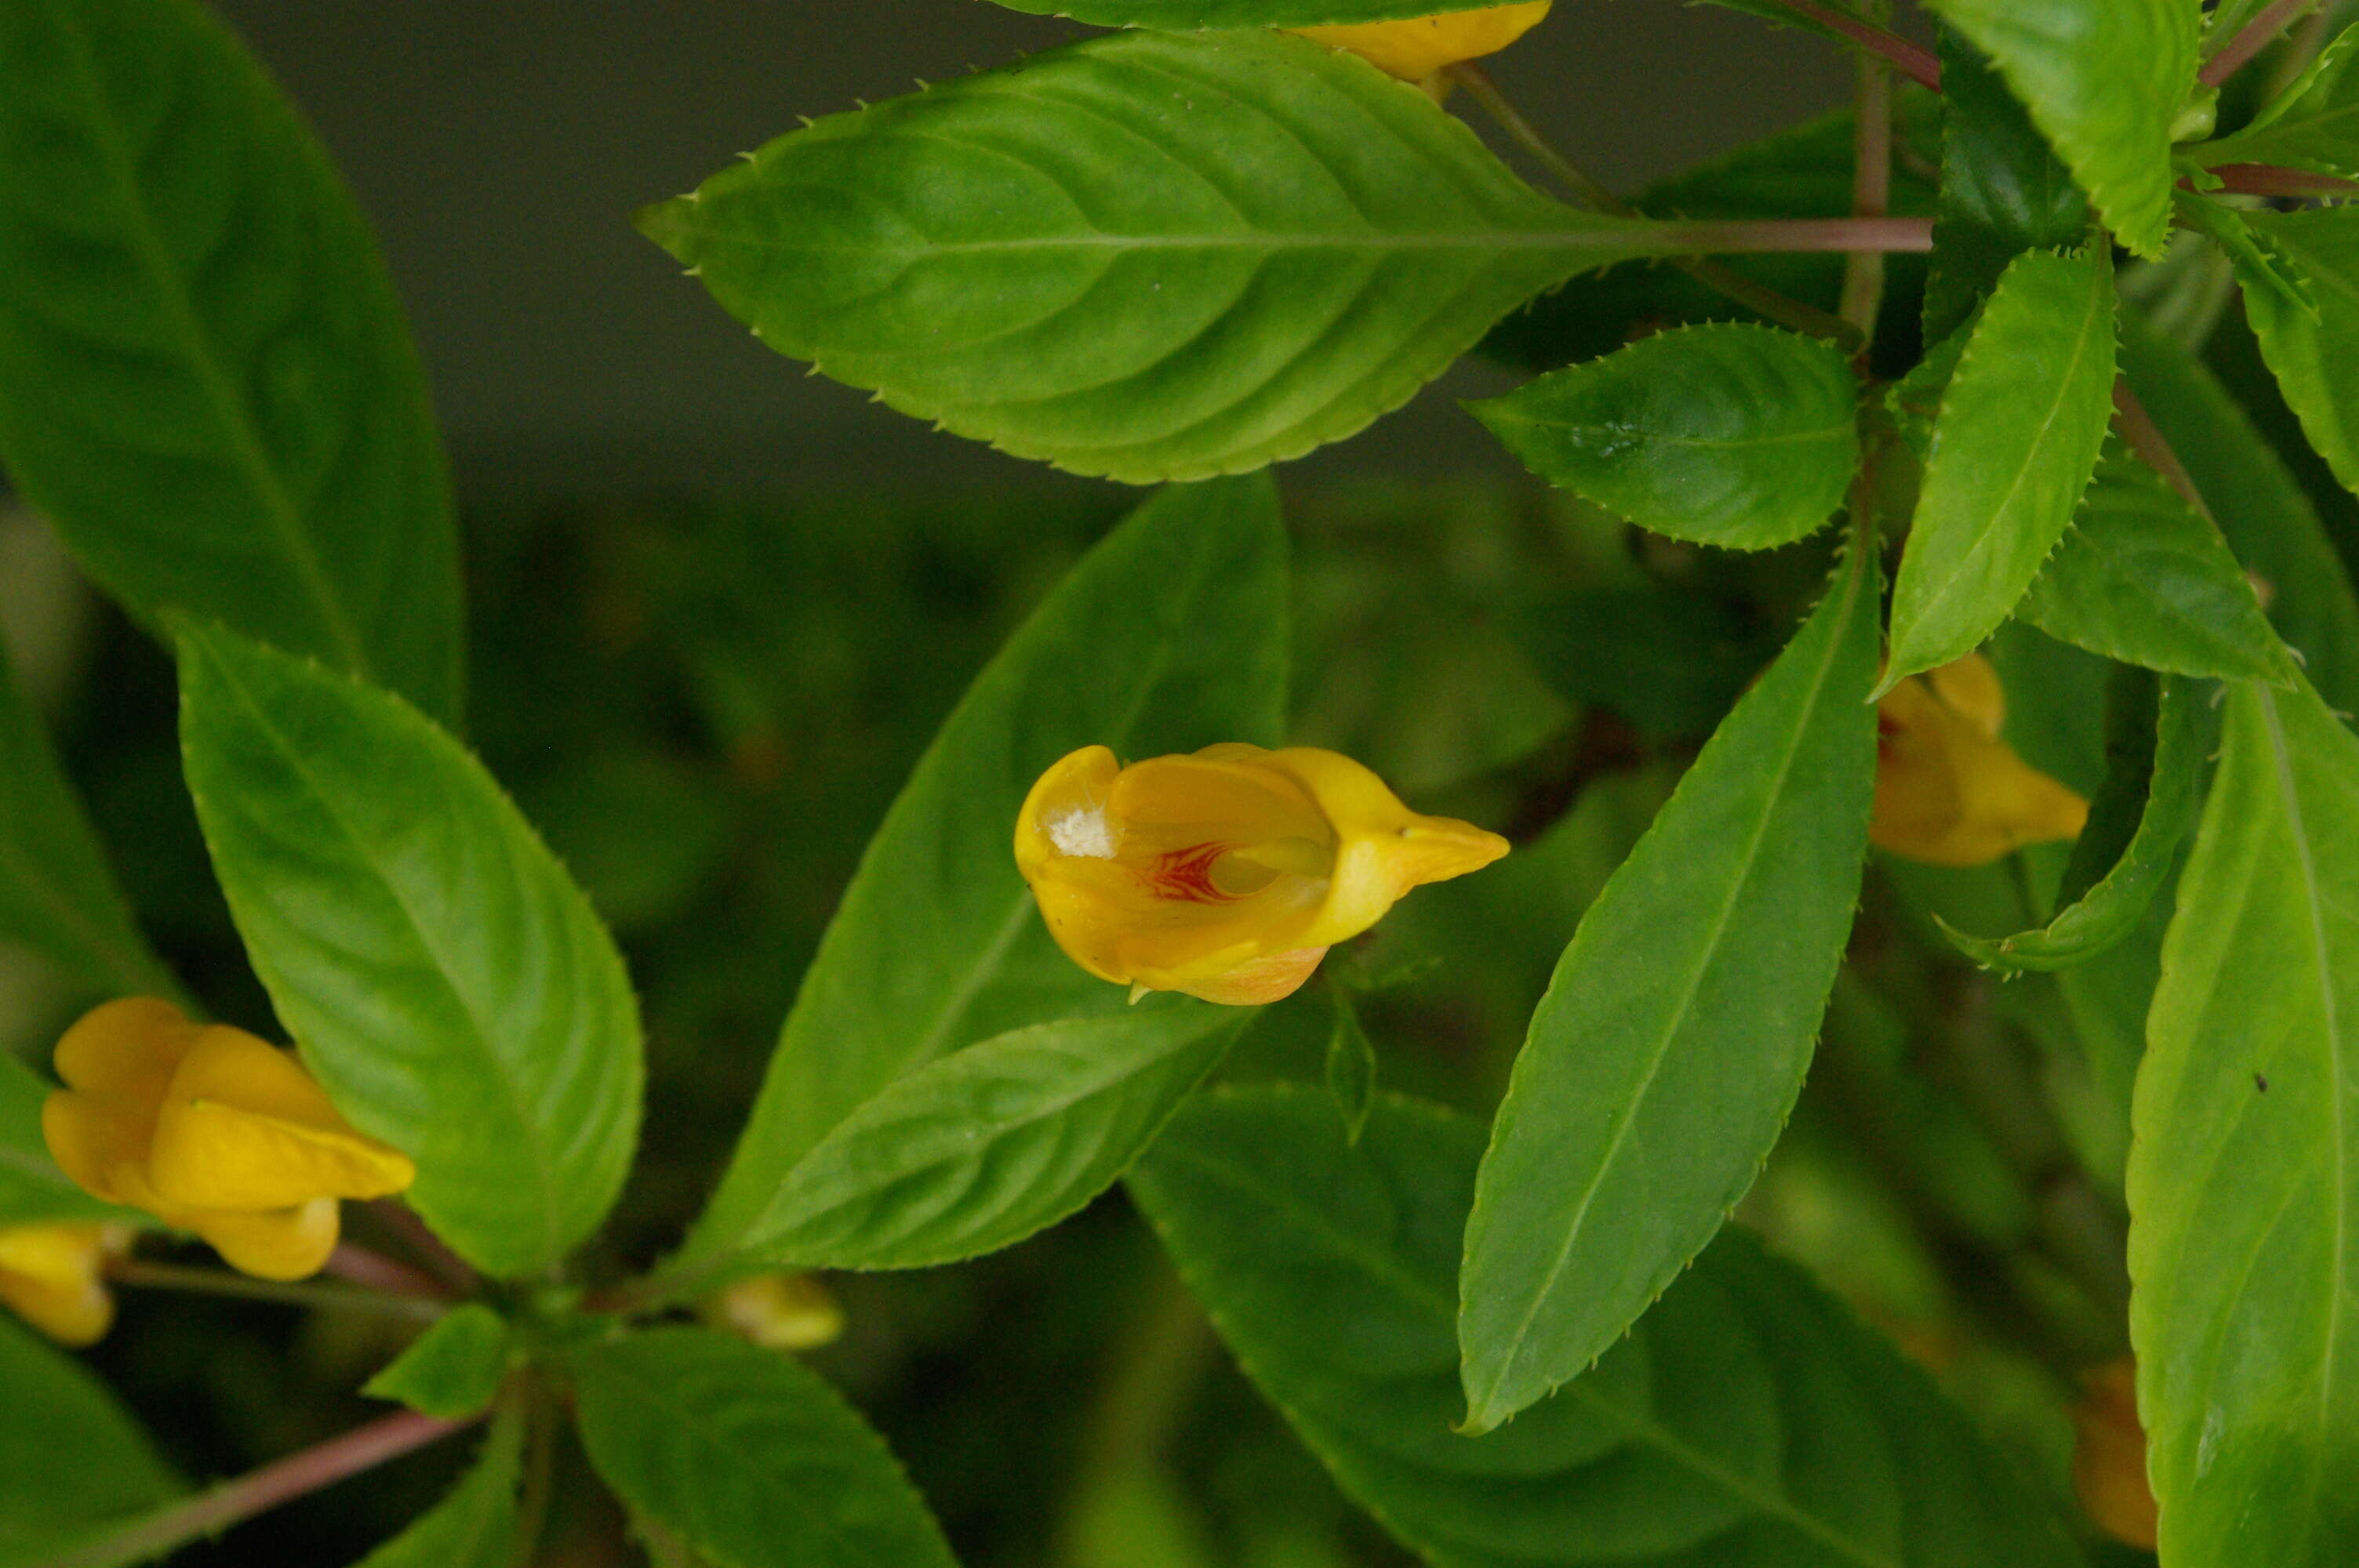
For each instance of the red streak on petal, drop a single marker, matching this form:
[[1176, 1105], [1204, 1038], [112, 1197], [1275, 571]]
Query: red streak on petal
[[1185, 876]]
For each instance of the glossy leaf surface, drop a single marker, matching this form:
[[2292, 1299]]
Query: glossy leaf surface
[[440, 973], [2013, 446], [1747, 1419], [1672, 1040], [1737, 436], [976, 1150], [747, 1456], [2270, 522], [1169, 637], [453, 1369], [2313, 124], [2003, 191], [2244, 1180], [205, 381], [2126, 854], [2143, 580], [2311, 356], [56, 893], [70, 1454], [1148, 256], [474, 1525], [2105, 80]]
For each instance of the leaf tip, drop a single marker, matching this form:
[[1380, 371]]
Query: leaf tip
[[668, 224]]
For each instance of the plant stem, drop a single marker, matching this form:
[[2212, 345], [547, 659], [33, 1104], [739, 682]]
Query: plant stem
[[429, 1248], [1917, 64], [2146, 438], [259, 1491], [2267, 180], [1752, 236], [291, 1293], [2251, 40], [1758, 297], [379, 1273], [1871, 193], [540, 1469]]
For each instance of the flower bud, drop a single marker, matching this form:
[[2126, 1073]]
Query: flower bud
[[1948, 790], [1417, 48], [790, 1310], [1228, 873], [2109, 1460], [210, 1129], [51, 1276]]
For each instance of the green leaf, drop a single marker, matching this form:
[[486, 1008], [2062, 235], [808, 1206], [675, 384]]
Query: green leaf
[[1351, 1066], [1189, 16], [1742, 436], [2270, 522], [1675, 1034], [1169, 637], [70, 1456], [205, 381], [976, 1150], [2256, 263], [441, 975], [1747, 1419], [2311, 356], [2013, 446], [2105, 80], [2003, 192], [1148, 255], [2126, 854], [2244, 1183], [747, 1456], [2313, 124], [56, 893], [2145, 579], [33, 1191], [453, 1369], [474, 1526]]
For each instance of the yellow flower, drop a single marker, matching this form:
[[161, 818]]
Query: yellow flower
[[2109, 1460], [785, 1311], [213, 1131], [1417, 47], [1948, 790], [50, 1275], [1229, 873]]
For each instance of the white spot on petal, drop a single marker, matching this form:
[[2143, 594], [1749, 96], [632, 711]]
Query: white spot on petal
[[1083, 831]]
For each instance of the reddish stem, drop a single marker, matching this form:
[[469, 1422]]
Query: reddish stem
[[1917, 64], [1740, 237], [429, 1248], [2251, 40], [2146, 438], [2269, 180], [259, 1491], [379, 1273]]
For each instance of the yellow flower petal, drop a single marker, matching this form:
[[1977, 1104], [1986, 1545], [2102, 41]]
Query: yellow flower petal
[[1227, 873], [1948, 790], [95, 1137], [49, 1275], [277, 1244], [244, 1127], [1417, 47], [130, 1046]]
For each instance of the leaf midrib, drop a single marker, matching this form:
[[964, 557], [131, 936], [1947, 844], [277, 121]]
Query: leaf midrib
[[236, 419]]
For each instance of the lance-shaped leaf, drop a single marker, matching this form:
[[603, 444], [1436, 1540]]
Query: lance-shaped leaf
[[2311, 355], [1148, 255], [453, 1368], [2003, 191], [2105, 80], [2313, 124], [474, 1525], [205, 380], [2013, 446], [56, 893], [2153, 764], [33, 1191], [70, 1456], [976, 1150], [747, 1456], [2243, 1177], [439, 972], [1744, 436], [1171, 635], [1671, 1042], [1747, 1418], [2145, 579], [2269, 521]]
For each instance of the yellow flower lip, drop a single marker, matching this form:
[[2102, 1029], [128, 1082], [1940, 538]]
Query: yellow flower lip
[[210, 1129], [53, 1277], [1224, 873], [1419, 49], [1949, 791]]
